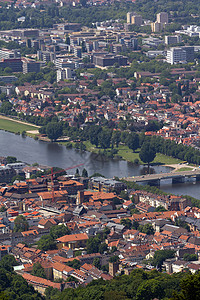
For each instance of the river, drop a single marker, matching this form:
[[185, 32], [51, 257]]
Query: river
[[51, 154]]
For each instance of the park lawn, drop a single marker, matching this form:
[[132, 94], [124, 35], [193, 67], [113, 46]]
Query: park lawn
[[167, 160], [91, 148], [184, 169], [129, 155], [12, 126]]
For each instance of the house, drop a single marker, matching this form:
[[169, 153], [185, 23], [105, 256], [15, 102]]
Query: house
[[61, 271], [40, 284], [194, 267], [46, 223], [82, 277], [73, 241]]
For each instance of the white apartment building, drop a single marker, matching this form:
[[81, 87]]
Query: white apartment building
[[176, 55], [65, 73]]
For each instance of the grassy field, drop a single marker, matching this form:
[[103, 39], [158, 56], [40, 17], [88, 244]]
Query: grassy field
[[128, 154], [15, 127], [184, 169]]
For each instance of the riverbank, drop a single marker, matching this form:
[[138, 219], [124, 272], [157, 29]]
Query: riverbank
[[123, 152], [127, 154], [17, 126]]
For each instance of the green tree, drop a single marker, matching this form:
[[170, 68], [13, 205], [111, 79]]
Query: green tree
[[93, 244], [150, 289], [147, 228], [113, 259], [84, 173], [116, 138], [190, 288], [3, 208], [133, 141], [38, 270], [190, 257], [6, 108], [97, 263], [54, 130], [11, 159], [77, 174], [126, 222], [74, 264], [160, 256], [160, 208], [8, 262], [46, 243], [147, 153], [103, 247], [104, 139], [20, 224], [58, 231]]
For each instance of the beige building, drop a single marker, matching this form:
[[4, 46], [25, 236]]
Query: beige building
[[133, 18], [156, 27]]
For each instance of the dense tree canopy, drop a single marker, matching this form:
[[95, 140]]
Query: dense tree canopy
[[147, 153], [54, 130], [46, 242], [38, 270], [20, 224], [58, 231]]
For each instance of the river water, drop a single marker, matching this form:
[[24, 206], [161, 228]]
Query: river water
[[51, 154]]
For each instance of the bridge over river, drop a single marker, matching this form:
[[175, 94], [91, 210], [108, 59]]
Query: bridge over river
[[155, 179]]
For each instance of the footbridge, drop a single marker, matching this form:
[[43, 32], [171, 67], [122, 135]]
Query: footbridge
[[155, 179]]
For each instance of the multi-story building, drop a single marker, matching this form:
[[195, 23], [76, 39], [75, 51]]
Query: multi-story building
[[156, 27], [65, 73], [162, 17], [46, 56], [152, 41], [131, 43], [67, 26], [9, 54], [109, 60], [106, 185], [8, 79], [189, 53], [30, 65], [136, 20], [172, 39], [15, 64], [62, 63], [78, 51], [129, 16], [133, 18], [180, 54]]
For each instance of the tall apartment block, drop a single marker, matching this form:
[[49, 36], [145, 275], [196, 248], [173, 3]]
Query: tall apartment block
[[156, 27], [129, 16], [133, 18], [162, 17]]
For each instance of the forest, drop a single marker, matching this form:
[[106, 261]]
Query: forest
[[45, 17], [139, 285]]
